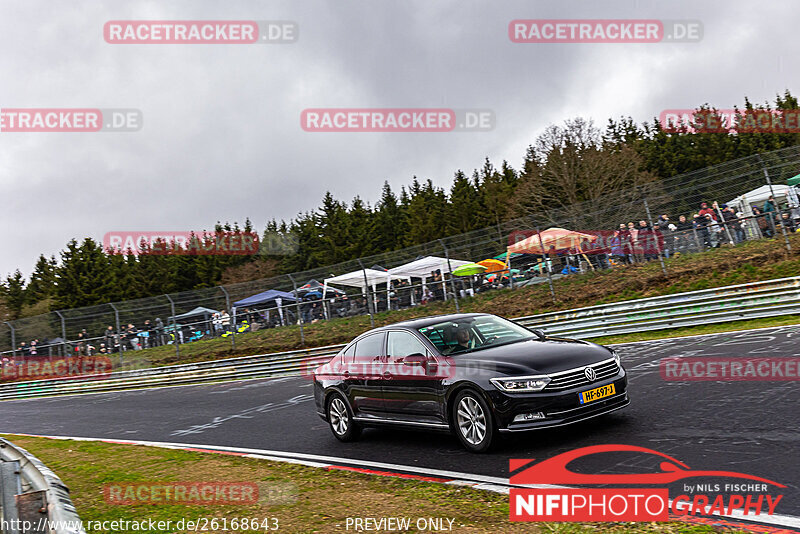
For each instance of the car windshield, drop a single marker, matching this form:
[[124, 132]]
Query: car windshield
[[460, 336]]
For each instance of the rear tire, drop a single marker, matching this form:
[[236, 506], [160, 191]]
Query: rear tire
[[340, 419], [473, 422]]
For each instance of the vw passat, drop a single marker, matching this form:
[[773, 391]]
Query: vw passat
[[475, 375]]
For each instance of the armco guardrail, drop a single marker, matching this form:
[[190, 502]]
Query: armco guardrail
[[731, 303], [34, 499]]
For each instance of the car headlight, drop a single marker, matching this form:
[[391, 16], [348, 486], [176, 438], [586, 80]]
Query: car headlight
[[521, 384], [616, 357]]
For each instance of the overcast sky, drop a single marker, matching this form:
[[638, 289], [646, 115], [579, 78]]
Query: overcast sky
[[222, 139]]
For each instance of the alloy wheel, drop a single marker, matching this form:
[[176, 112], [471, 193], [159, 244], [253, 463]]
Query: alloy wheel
[[338, 416], [471, 420]]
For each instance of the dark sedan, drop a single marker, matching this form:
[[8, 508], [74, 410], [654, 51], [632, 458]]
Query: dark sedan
[[472, 374]]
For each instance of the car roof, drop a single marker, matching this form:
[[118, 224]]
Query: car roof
[[427, 321]]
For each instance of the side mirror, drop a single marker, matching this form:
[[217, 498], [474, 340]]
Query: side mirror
[[415, 360], [540, 334]]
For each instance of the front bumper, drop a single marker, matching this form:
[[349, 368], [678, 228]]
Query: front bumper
[[560, 408]]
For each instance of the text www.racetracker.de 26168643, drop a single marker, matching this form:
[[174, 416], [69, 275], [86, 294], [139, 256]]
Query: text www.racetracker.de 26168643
[[201, 524]]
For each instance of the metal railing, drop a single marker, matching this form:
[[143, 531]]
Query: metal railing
[[724, 304], [34, 499]]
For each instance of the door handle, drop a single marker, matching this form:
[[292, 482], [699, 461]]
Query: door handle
[[387, 374], [346, 374]]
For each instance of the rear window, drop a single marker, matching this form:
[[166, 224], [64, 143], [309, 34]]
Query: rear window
[[371, 345]]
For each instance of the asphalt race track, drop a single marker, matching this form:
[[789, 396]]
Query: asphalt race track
[[749, 427]]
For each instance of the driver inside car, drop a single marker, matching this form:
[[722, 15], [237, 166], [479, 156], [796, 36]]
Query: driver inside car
[[464, 340]]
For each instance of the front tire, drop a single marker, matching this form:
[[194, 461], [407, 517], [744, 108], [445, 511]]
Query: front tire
[[341, 420], [473, 421]]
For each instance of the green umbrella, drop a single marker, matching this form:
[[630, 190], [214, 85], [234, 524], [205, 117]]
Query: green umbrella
[[794, 180], [469, 269], [502, 257]]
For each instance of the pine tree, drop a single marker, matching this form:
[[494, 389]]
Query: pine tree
[[390, 224], [43, 280], [82, 276], [13, 290], [462, 208]]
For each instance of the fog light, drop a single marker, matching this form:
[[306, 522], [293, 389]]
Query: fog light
[[534, 416]]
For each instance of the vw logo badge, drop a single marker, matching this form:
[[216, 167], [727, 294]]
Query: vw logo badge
[[590, 374]]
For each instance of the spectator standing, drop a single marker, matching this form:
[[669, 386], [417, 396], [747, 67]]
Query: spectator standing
[[786, 221], [685, 234], [741, 221], [216, 323], [159, 330], [133, 337], [647, 241], [225, 320], [705, 210], [763, 224], [703, 232], [617, 244], [147, 333], [771, 213], [667, 234], [731, 223], [110, 338]]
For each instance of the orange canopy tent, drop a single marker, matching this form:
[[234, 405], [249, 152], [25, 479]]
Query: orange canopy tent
[[492, 265], [552, 238]]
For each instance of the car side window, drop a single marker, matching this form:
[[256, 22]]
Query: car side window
[[402, 344], [370, 346], [349, 352]]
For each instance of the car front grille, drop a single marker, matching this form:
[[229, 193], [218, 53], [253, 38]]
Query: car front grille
[[577, 377]]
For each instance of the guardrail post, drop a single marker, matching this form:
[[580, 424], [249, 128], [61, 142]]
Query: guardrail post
[[771, 215], [653, 228], [175, 327], [369, 297], [299, 313], [13, 340], [450, 269], [545, 266], [228, 307], [63, 335], [10, 485], [119, 337]]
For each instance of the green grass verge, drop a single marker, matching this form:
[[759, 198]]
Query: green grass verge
[[311, 499]]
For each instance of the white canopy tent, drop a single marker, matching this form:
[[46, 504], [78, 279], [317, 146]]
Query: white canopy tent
[[423, 267], [757, 197], [362, 278]]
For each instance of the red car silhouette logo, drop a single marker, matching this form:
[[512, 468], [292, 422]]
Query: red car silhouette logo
[[554, 470]]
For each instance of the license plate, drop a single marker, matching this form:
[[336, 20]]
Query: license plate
[[596, 393]]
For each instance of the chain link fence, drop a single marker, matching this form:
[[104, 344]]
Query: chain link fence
[[653, 231]]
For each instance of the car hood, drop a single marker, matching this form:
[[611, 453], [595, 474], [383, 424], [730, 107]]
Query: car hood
[[533, 356]]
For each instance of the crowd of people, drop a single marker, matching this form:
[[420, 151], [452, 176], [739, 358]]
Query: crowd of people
[[711, 226]]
